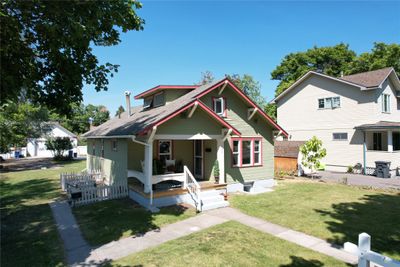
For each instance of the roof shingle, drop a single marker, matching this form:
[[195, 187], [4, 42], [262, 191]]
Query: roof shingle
[[368, 79]]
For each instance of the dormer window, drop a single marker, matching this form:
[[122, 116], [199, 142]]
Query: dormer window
[[159, 99], [148, 102], [219, 106]]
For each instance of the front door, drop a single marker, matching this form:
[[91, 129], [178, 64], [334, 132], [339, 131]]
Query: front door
[[198, 159]]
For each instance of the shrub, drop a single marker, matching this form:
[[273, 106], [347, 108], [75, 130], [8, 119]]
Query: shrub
[[58, 146]]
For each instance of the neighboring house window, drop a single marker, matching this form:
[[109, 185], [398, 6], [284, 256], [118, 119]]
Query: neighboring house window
[[329, 102], [377, 141], [339, 136], [386, 103], [164, 150], [246, 152], [219, 106], [148, 102], [159, 99], [396, 141], [114, 145], [102, 148]]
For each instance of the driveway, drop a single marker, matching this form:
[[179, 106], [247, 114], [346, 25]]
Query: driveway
[[360, 180], [23, 164]]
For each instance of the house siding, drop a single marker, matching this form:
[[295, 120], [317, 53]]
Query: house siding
[[256, 127], [113, 164]]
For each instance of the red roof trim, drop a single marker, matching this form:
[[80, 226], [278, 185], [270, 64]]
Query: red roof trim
[[254, 105], [160, 87], [204, 107]]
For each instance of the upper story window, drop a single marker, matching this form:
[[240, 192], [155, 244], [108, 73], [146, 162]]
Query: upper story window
[[148, 102], [219, 106], [159, 99], [386, 103], [329, 102], [339, 136], [246, 152]]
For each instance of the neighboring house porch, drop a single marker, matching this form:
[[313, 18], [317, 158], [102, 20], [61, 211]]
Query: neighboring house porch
[[381, 143]]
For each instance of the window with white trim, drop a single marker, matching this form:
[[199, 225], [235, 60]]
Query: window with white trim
[[114, 144], [386, 103], [339, 136], [102, 148], [246, 152], [329, 102], [94, 148], [164, 150], [219, 106]]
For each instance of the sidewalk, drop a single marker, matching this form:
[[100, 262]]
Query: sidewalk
[[79, 252]]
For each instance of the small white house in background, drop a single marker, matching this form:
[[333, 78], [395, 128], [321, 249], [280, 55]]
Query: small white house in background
[[357, 117], [36, 147]]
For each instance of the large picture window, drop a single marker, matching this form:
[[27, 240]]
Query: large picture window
[[246, 152]]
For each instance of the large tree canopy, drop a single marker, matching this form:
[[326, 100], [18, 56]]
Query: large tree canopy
[[249, 86], [334, 60], [46, 47]]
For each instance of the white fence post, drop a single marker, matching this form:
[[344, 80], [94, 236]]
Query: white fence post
[[364, 246]]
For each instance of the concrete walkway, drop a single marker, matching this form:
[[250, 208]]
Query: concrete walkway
[[80, 254], [361, 180], [76, 248]]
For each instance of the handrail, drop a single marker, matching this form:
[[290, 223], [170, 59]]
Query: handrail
[[193, 188]]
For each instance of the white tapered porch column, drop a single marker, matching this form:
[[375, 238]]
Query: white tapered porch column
[[221, 160], [390, 140], [148, 166]]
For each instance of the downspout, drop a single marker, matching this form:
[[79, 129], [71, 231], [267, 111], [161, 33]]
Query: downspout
[[365, 154]]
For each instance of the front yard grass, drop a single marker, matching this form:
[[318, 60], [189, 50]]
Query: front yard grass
[[107, 221], [228, 244], [28, 232], [336, 213]]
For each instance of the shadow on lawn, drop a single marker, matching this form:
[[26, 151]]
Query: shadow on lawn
[[378, 215], [28, 233], [111, 220]]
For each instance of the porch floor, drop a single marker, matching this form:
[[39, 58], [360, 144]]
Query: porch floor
[[138, 188]]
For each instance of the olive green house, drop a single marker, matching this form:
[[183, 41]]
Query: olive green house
[[186, 144]]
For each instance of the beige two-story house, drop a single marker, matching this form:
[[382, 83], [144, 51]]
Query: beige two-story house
[[357, 116]]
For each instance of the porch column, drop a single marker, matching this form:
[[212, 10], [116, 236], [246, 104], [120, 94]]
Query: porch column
[[365, 153], [148, 166], [390, 140], [221, 160]]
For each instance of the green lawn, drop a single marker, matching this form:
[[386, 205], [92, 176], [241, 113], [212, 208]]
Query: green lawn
[[336, 213], [106, 221], [28, 233], [228, 244]]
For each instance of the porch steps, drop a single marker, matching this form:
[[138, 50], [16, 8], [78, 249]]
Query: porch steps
[[212, 199]]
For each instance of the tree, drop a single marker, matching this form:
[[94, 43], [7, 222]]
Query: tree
[[331, 60], [249, 86], [312, 152], [206, 77], [270, 109], [19, 121], [58, 146], [120, 110], [382, 55], [46, 47]]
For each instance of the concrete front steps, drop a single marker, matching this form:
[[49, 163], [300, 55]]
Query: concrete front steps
[[213, 199]]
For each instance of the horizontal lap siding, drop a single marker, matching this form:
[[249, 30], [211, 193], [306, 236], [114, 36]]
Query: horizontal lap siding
[[256, 127], [135, 155]]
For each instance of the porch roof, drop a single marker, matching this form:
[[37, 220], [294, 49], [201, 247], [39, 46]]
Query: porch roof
[[380, 125]]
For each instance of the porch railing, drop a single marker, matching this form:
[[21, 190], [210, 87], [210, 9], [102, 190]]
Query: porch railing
[[193, 188]]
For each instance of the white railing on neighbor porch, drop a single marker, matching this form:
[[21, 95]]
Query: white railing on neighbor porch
[[366, 255], [193, 188]]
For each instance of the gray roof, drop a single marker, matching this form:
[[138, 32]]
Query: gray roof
[[380, 125], [287, 149], [141, 119], [369, 79]]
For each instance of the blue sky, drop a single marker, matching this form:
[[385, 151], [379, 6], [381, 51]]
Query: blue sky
[[181, 39]]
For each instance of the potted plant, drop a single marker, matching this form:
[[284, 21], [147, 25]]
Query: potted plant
[[216, 171]]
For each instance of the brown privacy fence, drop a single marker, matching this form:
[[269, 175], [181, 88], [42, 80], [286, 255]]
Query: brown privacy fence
[[285, 164], [286, 154]]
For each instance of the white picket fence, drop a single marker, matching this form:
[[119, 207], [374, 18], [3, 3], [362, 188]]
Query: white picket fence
[[85, 177], [88, 187], [90, 194], [366, 255]]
